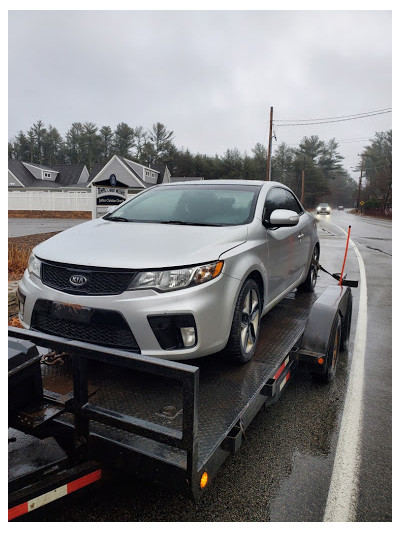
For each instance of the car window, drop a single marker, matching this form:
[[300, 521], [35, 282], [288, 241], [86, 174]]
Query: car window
[[293, 202], [276, 199], [201, 204]]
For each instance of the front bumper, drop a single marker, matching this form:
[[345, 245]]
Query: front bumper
[[211, 306]]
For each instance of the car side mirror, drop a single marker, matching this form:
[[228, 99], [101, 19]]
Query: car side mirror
[[283, 218]]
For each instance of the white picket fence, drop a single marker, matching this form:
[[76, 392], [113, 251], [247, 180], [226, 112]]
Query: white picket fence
[[50, 200]]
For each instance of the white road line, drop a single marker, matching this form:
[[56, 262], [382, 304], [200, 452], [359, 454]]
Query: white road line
[[343, 490]]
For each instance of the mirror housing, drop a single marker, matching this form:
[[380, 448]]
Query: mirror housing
[[282, 218]]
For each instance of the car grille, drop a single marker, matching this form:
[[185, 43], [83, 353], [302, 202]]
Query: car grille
[[100, 281], [105, 328]]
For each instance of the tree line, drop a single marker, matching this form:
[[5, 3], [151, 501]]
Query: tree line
[[325, 177]]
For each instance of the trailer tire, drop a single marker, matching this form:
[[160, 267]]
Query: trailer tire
[[245, 327], [332, 352], [346, 324], [309, 283]]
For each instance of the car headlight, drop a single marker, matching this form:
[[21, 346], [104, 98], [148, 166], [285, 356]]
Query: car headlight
[[34, 265], [179, 278]]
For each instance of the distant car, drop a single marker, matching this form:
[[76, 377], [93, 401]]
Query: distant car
[[323, 209], [179, 271], [340, 208]]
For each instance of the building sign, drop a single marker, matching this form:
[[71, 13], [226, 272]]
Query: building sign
[[110, 196]]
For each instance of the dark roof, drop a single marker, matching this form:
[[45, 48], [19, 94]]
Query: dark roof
[[68, 175], [159, 167], [95, 170]]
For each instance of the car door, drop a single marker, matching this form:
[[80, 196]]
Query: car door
[[303, 232], [283, 247]]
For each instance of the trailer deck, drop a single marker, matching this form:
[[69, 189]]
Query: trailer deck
[[171, 422], [225, 389]]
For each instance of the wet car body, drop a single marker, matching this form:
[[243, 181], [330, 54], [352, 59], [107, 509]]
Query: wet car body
[[180, 271]]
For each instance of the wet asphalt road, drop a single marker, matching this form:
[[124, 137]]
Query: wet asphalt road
[[282, 471]]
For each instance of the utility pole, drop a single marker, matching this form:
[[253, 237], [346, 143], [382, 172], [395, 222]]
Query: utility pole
[[271, 114], [302, 181], [359, 183]]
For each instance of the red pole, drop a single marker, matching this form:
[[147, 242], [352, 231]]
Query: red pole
[[345, 256]]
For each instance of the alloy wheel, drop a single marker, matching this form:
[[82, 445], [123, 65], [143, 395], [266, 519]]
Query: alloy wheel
[[250, 321]]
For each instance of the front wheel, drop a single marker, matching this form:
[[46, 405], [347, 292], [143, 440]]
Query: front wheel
[[243, 337]]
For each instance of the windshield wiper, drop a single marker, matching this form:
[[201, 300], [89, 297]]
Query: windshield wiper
[[119, 219], [182, 223]]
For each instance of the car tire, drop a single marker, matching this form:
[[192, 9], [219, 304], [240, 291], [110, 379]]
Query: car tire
[[309, 283], [245, 327]]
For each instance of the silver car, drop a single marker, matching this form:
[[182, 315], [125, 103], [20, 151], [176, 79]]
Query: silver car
[[177, 272]]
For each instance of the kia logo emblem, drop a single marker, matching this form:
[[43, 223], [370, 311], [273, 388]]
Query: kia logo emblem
[[77, 280]]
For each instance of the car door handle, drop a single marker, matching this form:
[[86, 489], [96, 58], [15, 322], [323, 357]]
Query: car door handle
[[300, 236]]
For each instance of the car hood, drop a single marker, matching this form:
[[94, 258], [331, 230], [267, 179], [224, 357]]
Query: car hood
[[134, 245]]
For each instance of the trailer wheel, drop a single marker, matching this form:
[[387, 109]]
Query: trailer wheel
[[309, 283], [243, 337], [332, 354]]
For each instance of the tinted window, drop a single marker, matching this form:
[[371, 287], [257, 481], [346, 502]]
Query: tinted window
[[295, 206], [276, 199]]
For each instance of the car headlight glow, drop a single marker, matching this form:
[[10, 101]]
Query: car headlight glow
[[34, 265], [179, 278]]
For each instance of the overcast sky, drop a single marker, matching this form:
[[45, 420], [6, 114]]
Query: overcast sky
[[209, 76]]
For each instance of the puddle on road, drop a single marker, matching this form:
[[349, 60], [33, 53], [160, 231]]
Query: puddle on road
[[295, 502]]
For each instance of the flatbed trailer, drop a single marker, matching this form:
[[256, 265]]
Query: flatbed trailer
[[163, 421]]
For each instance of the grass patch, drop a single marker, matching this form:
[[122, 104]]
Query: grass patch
[[19, 250], [17, 260]]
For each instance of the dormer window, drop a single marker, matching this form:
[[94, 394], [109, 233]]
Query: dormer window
[[46, 175]]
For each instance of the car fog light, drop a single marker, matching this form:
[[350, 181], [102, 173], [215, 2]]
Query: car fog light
[[188, 337]]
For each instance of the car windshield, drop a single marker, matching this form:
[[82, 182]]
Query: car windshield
[[323, 205], [205, 205]]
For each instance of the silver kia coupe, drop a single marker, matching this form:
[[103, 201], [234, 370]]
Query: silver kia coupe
[[179, 271]]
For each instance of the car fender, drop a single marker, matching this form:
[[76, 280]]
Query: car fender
[[240, 263]]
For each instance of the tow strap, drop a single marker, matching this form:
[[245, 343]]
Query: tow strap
[[345, 282]]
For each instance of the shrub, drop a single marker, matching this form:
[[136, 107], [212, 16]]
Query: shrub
[[17, 259]]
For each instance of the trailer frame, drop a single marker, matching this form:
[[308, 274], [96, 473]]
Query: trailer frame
[[157, 451]]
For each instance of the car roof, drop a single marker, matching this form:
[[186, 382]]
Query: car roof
[[250, 183]]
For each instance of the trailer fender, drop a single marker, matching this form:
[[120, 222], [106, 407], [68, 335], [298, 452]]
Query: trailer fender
[[318, 328]]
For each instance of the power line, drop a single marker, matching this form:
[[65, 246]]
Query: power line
[[346, 141], [310, 122], [386, 109]]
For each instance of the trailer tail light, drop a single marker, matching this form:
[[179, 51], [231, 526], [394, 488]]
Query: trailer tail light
[[320, 360], [203, 480], [53, 495]]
